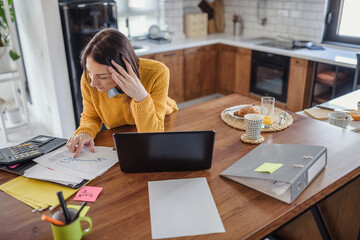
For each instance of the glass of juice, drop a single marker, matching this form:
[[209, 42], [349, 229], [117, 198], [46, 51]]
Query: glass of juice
[[267, 110]]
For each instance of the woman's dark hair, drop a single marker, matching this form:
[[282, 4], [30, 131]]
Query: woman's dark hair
[[106, 45]]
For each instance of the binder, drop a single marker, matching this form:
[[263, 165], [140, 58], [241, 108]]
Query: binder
[[301, 164]]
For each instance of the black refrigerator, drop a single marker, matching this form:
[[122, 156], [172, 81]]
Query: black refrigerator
[[80, 21]]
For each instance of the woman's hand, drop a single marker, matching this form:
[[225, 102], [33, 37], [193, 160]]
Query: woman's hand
[[76, 143], [128, 81]]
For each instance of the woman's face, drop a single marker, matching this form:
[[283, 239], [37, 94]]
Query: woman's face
[[99, 75]]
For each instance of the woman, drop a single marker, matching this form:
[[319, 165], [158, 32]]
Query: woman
[[137, 95]]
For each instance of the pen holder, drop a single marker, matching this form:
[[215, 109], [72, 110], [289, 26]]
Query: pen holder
[[71, 231]]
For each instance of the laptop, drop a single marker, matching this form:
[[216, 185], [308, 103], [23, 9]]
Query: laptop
[[165, 151]]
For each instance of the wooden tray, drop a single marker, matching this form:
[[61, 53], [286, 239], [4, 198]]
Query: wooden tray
[[240, 124]]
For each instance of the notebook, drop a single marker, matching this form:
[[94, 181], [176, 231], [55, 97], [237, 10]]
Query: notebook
[[166, 151]]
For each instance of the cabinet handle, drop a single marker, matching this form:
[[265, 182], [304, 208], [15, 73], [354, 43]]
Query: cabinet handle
[[201, 49], [169, 54]]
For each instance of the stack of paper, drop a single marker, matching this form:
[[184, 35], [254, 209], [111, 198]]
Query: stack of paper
[[60, 166], [37, 194]]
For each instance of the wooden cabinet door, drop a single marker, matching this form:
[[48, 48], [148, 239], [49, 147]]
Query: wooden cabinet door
[[242, 71], [226, 69], [174, 60], [208, 68], [193, 72], [299, 86], [148, 56], [200, 71]]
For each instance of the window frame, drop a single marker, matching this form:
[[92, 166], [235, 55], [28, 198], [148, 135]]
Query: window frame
[[330, 36]]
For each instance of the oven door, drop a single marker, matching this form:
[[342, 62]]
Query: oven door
[[269, 80]]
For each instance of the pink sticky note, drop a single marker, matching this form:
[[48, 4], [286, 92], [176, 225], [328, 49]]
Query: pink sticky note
[[88, 194], [13, 166]]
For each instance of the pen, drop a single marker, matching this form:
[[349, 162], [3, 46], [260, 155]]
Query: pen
[[63, 207], [78, 213], [51, 220]]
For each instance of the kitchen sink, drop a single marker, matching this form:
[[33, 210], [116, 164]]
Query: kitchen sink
[[258, 40], [140, 48]]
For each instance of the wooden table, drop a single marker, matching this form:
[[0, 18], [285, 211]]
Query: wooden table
[[347, 101], [122, 209]]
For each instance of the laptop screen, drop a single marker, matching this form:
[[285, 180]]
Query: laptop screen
[[166, 151]]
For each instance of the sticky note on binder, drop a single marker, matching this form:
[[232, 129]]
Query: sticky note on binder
[[269, 167]]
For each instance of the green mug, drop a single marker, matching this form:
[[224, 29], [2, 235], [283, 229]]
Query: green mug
[[71, 231]]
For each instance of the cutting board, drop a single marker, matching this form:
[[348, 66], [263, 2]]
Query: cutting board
[[318, 113]]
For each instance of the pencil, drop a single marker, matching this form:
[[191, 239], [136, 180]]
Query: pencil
[[51, 220], [78, 213], [63, 207]]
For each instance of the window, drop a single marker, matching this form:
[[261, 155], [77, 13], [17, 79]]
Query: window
[[342, 22], [136, 16]]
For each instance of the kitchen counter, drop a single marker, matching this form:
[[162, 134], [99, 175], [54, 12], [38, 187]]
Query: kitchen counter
[[330, 55]]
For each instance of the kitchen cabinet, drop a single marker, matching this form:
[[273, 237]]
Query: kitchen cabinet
[[226, 69], [199, 71], [299, 86], [174, 60], [148, 56], [234, 70], [209, 68], [242, 71]]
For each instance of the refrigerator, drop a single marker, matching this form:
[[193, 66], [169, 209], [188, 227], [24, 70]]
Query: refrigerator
[[80, 21]]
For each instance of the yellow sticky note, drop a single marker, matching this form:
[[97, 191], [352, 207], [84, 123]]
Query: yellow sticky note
[[77, 207], [269, 167]]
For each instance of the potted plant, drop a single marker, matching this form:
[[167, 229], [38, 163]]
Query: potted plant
[[7, 54]]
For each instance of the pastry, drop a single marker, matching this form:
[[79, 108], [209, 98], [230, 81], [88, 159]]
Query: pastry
[[245, 110]]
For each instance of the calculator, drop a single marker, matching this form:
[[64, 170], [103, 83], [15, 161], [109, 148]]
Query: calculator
[[19, 153]]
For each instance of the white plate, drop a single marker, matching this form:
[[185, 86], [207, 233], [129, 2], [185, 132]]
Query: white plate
[[231, 112]]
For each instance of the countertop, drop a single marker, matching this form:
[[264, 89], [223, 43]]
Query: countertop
[[331, 55], [348, 101]]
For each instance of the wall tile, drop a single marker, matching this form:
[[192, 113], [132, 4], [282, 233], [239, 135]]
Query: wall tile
[[296, 18]]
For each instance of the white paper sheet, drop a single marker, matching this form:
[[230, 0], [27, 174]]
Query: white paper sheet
[[87, 165], [182, 207], [43, 173]]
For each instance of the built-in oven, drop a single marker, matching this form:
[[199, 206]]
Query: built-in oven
[[269, 75]]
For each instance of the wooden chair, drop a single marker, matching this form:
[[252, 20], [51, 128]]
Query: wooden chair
[[356, 77]]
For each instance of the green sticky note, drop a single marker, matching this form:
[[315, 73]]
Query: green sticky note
[[269, 167], [77, 207]]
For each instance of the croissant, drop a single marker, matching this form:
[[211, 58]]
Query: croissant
[[245, 110]]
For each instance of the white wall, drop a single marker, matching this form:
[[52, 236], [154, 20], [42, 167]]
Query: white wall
[[171, 17], [45, 62], [298, 19]]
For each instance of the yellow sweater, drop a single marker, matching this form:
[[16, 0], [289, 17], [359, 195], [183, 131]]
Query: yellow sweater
[[148, 115]]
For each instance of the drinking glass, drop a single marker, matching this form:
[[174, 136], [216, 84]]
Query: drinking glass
[[267, 110]]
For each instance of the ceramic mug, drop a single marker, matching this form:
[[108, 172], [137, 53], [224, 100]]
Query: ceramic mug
[[253, 124], [13, 115], [71, 231]]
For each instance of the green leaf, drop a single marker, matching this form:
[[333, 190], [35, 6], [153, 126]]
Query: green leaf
[[12, 14], [14, 55]]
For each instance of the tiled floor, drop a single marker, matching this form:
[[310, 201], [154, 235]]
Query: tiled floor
[[199, 100], [22, 134]]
